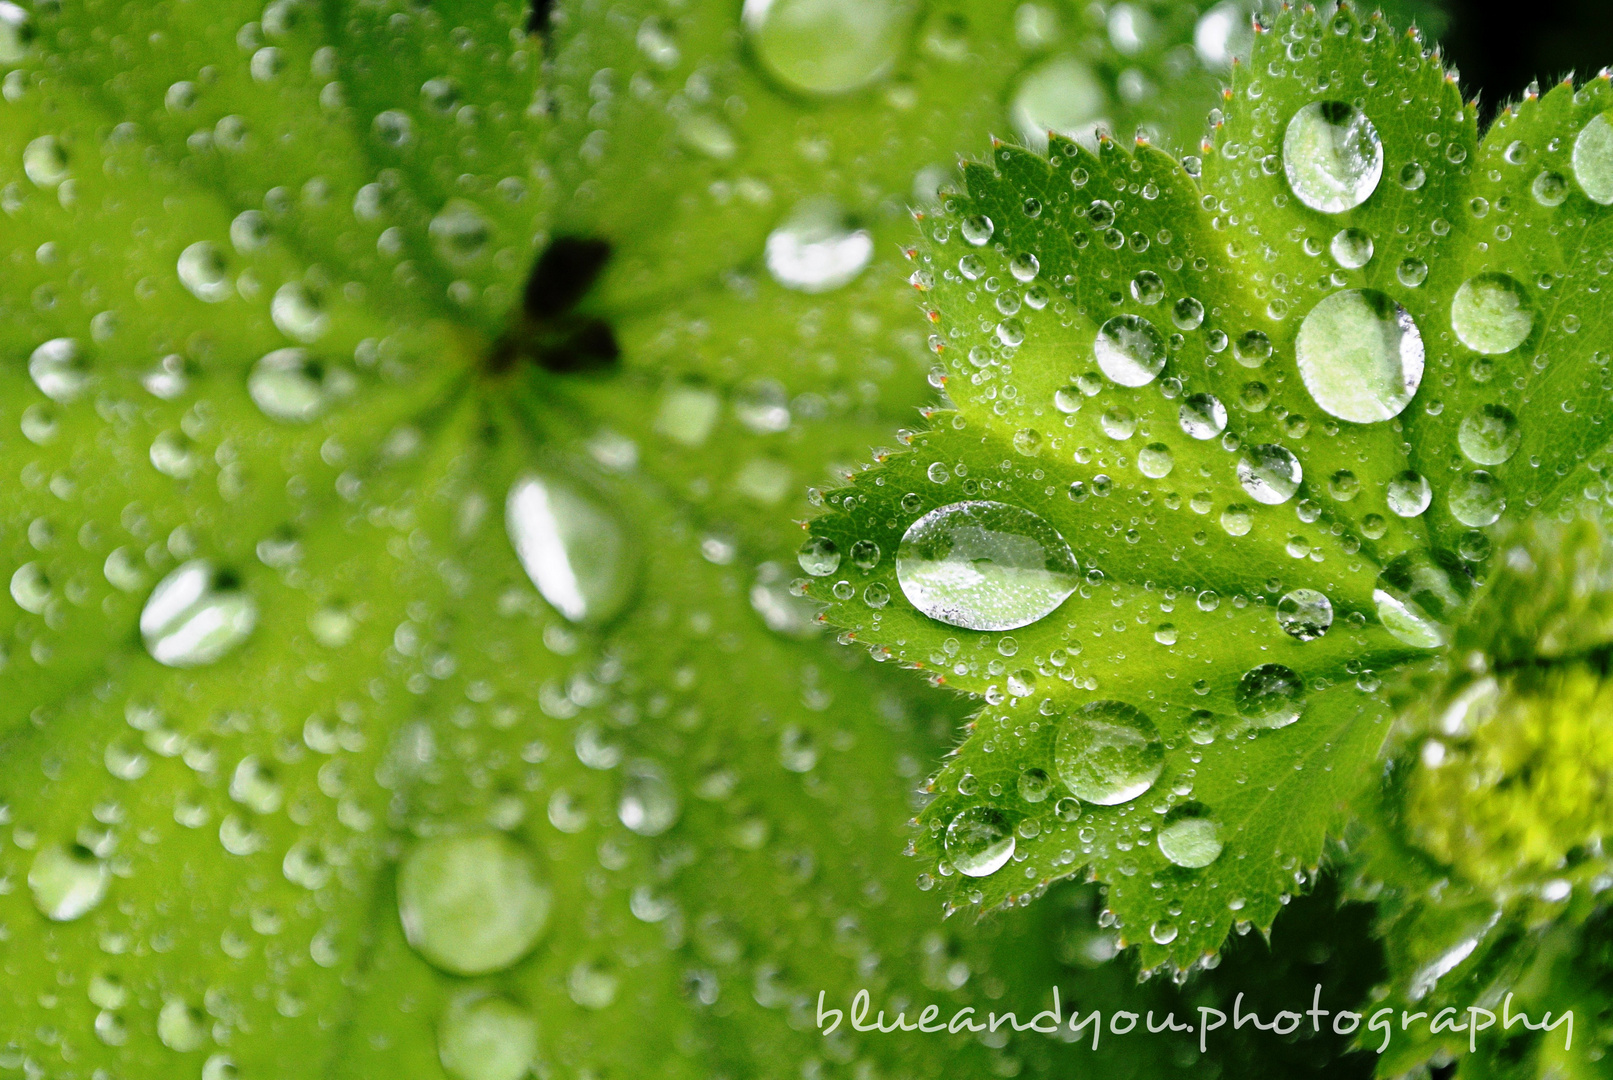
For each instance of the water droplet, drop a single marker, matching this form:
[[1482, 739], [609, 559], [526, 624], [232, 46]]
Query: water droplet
[[1409, 494], [819, 556], [1270, 473], [827, 46], [1187, 313], [1129, 350], [1190, 836], [1222, 33], [1477, 499], [67, 882], [60, 369], [1332, 155], [1147, 288], [979, 841], [1108, 753], [1549, 188], [298, 313], [1270, 696], [1490, 435], [196, 615], [16, 32], [1360, 356], [1202, 416], [649, 803], [1593, 160], [1412, 176], [459, 233], [816, 248], [1491, 314], [1305, 614], [1061, 95], [1163, 932], [472, 903], [985, 566], [290, 386], [1035, 785], [1417, 593], [1351, 248], [1252, 349], [1411, 272], [45, 161], [181, 1026], [203, 271], [486, 1037], [572, 547], [1155, 461]]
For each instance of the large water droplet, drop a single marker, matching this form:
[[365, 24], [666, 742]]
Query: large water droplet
[[473, 903], [1270, 473], [574, 549], [60, 369], [67, 882], [985, 566], [1491, 314], [486, 1037], [196, 615], [291, 386], [1108, 753], [1416, 595], [1305, 614], [1270, 696], [1593, 160], [1490, 435], [1477, 499], [298, 313], [1129, 350], [1190, 836], [1351, 248], [827, 46], [979, 841], [1360, 356], [816, 249], [649, 803], [203, 271], [1332, 155], [1060, 95], [45, 161]]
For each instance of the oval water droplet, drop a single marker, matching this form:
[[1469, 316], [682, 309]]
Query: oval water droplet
[[1477, 499], [1491, 314], [291, 386], [573, 548], [298, 313], [1202, 416], [1332, 156], [60, 369], [203, 271], [1108, 753], [45, 161], [1270, 473], [1490, 435], [472, 903], [649, 802], [196, 615], [1190, 836], [1417, 594], [1593, 160], [1304, 614], [979, 841], [1360, 355], [67, 882], [1270, 696], [1409, 494], [1351, 248], [816, 248], [985, 566], [827, 46], [1129, 350], [486, 1037]]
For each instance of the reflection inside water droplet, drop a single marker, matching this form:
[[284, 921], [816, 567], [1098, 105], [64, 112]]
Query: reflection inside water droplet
[[1190, 836], [1304, 614], [1270, 696]]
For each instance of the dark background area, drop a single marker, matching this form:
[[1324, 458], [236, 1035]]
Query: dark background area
[[1499, 48]]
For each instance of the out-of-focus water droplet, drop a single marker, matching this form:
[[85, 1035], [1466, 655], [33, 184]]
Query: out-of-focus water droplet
[[181, 1026], [1332, 156], [472, 903], [219, 1067], [291, 386], [1491, 314], [1129, 350], [979, 841], [827, 46], [1360, 356], [249, 232], [1351, 248], [45, 161], [1108, 753], [649, 802], [817, 249], [985, 566], [203, 271], [1061, 95], [573, 548], [1417, 594], [196, 615], [1222, 33], [255, 786], [1270, 696], [459, 233], [60, 369], [16, 32], [1593, 160], [1408, 494], [67, 882], [1477, 499], [1190, 836], [486, 1037], [1270, 473], [1202, 416], [1304, 614], [1489, 435], [298, 313]]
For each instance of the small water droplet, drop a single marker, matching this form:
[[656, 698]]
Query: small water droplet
[[816, 248], [203, 271], [1155, 461], [459, 233], [298, 313], [1491, 314], [1332, 156], [1360, 355], [1549, 188], [649, 802], [985, 566], [1269, 473], [60, 369], [1108, 753], [1351, 248], [1489, 435], [1035, 785], [45, 161], [291, 386], [1477, 499], [196, 615], [979, 841], [1190, 836], [471, 903], [1409, 494], [1411, 272], [181, 1026], [1270, 696], [1129, 350], [67, 882], [1304, 614], [573, 548], [1202, 416], [1187, 313]]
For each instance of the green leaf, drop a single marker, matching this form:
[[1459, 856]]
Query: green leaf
[[1412, 445], [270, 338]]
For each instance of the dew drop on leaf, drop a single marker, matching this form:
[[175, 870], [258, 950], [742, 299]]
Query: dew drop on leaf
[[67, 882], [1549, 188], [977, 229], [1061, 95], [486, 1037], [298, 313], [1190, 836], [203, 272], [649, 803], [1332, 156], [45, 161], [1129, 350], [819, 556], [196, 615], [1360, 356], [472, 903], [290, 386], [1270, 696], [459, 233], [1416, 595], [181, 1026], [1035, 785], [1351, 248], [1491, 314], [1202, 416], [573, 548], [1477, 499], [979, 841], [816, 249], [16, 32], [1155, 461], [1489, 435], [1304, 614], [1270, 473], [1108, 753], [985, 566], [1411, 272], [827, 46], [60, 369], [1409, 493], [1163, 932], [1187, 313], [1593, 160]]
